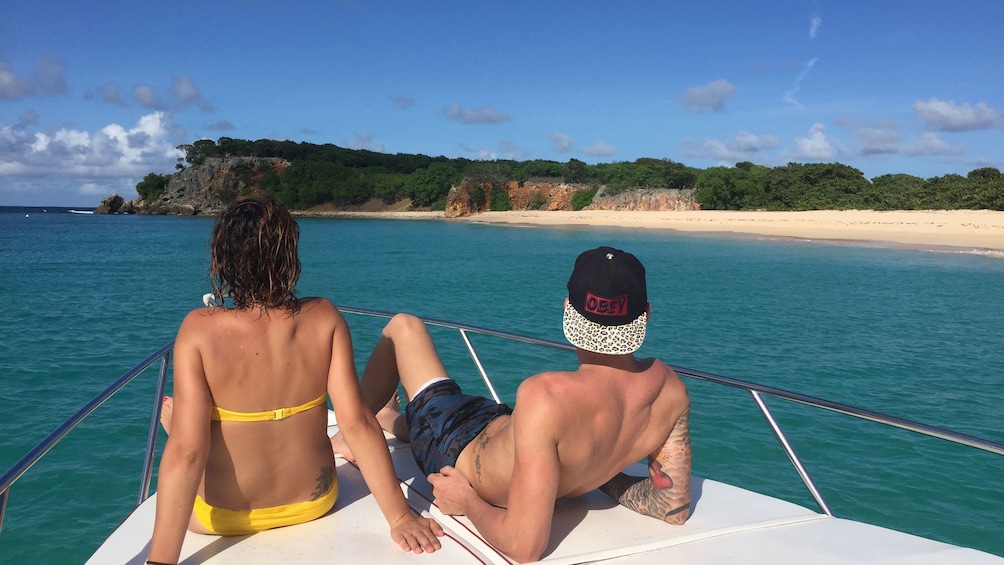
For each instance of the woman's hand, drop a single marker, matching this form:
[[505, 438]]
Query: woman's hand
[[418, 535]]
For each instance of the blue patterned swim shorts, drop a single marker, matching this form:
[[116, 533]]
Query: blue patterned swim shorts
[[442, 421]]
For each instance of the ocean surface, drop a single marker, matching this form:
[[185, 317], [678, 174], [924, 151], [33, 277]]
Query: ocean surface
[[919, 335]]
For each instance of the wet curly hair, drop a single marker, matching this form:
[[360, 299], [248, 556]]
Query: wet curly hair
[[254, 255]]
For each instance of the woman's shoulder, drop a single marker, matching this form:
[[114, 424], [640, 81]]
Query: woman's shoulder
[[317, 304]]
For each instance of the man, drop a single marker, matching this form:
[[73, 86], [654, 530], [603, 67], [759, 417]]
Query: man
[[569, 433]]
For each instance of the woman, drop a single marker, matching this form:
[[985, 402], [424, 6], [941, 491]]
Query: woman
[[248, 444]]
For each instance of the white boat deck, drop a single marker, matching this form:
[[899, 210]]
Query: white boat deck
[[727, 525]]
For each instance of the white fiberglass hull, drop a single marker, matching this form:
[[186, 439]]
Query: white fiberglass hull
[[728, 525]]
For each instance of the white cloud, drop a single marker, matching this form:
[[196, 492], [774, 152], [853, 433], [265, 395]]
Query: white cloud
[[930, 144], [708, 98], [941, 115], [112, 151], [188, 94], [108, 94], [814, 23], [815, 147], [745, 147], [877, 141], [561, 142], [789, 95], [47, 79], [885, 137], [482, 115], [600, 149], [12, 86], [144, 95], [68, 167]]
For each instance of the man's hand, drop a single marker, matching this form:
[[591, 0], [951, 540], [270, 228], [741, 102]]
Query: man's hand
[[418, 535], [451, 490]]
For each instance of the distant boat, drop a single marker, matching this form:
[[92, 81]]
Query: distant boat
[[81, 211]]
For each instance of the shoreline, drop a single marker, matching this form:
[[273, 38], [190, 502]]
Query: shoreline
[[970, 230]]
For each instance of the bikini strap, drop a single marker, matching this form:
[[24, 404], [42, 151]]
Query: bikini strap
[[222, 414]]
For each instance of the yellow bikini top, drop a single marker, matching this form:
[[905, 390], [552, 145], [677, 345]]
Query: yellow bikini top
[[223, 414]]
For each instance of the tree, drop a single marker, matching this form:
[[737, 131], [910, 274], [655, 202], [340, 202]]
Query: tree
[[425, 186], [986, 174], [196, 153], [895, 192], [152, 186], [498, 200], [574, 171]]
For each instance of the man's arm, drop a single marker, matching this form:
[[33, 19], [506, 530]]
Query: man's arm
[[665, 494], [522, 529]]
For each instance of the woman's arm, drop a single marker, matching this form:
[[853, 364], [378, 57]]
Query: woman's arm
[[184, 461], [365, 438]]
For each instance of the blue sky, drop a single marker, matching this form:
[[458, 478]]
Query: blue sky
[[93, 96]]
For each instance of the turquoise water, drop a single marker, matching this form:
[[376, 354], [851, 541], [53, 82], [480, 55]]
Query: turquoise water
[[918, 335]]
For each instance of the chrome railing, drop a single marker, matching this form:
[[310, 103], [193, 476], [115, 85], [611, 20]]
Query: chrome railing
[[757, 392], [22, 465]]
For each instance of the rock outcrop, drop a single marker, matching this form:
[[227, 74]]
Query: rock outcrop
[[469, 198], [199, 190], [651, 199], [111, 204]]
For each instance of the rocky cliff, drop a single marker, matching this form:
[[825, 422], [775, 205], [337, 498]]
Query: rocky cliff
[[200, 190], [470, 198], [207, 188]]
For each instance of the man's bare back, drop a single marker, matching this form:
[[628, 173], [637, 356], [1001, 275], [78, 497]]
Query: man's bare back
[[603, 419]]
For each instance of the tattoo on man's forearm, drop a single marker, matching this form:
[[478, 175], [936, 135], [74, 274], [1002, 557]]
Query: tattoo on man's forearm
[[641, 495], [324, 482], [659, 477], [676, 511]]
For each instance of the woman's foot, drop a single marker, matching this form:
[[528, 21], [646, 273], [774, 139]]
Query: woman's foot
[[389, 413], [390, 419], [167, 413], [340, 447]]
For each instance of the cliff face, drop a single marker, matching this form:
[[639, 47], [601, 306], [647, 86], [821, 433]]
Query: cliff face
[[657, 199], [206, 189], [470, 198], [200, 190]]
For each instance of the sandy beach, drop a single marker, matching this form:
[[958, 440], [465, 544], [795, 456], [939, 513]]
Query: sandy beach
[[968, 229]]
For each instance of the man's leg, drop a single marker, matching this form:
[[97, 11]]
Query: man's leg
[[404, 354]]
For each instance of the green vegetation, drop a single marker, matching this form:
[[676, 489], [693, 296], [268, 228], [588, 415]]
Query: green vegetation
[[330, 174], [583, 198], [537, 201], [832, 186], [498, 200], [152, 186]]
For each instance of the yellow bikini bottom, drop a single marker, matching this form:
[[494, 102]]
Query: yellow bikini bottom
[[224, 522]]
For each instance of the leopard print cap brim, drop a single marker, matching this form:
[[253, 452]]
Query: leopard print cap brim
[[608, 340]]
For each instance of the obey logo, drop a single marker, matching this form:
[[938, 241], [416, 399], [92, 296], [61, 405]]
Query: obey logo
[[606, 306]]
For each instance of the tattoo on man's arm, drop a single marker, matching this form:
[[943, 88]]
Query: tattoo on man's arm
[[641, 495], [665, 493]]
